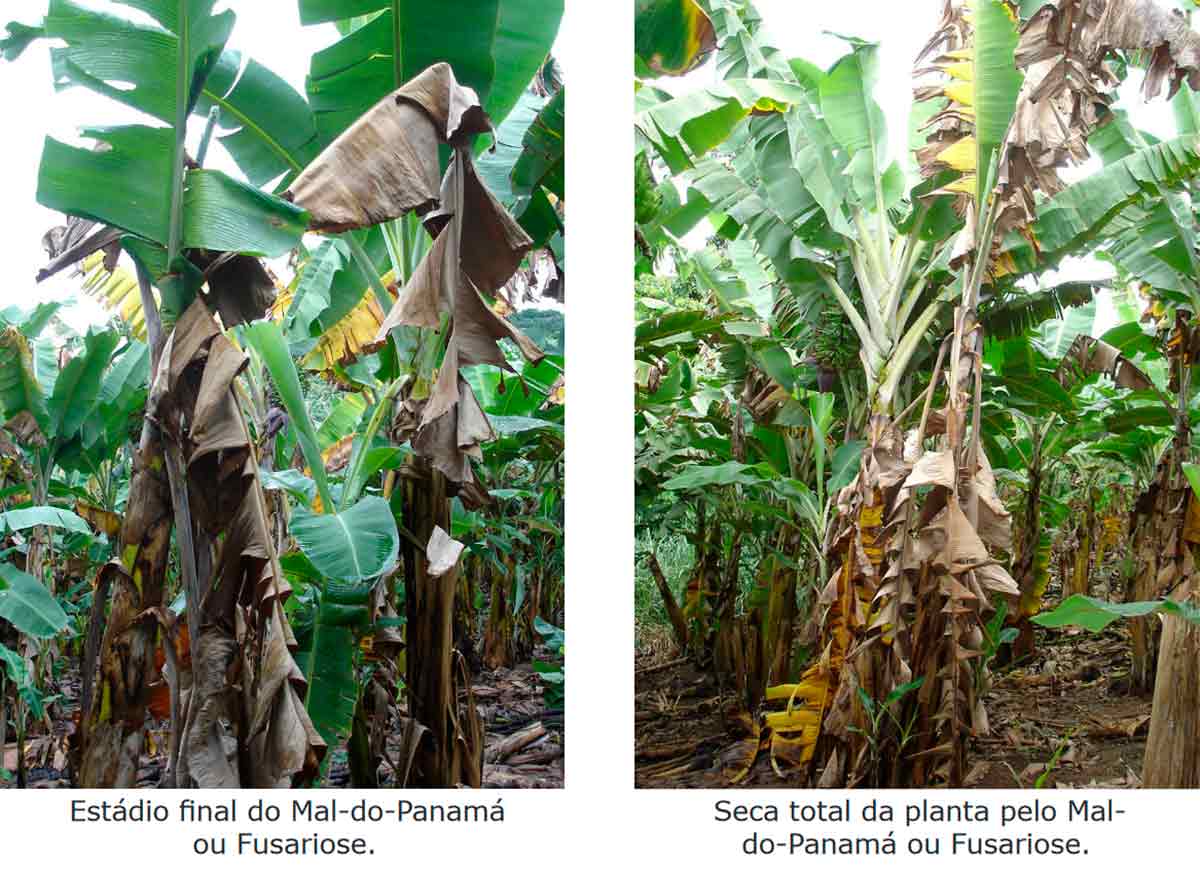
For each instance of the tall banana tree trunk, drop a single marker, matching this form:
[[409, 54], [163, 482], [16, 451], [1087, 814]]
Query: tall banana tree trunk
[[1168, 545], [1080, 579], [1164, 526], [112, 714], [113, 731], [454, 751], [1173, 747], [1030, 563]]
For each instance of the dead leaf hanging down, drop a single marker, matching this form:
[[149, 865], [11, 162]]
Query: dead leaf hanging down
[[1066, 93], [75, 241], [478, 247], [1078, 36], [942, 59], [453, 425], [242, 607], [24, 427], [936, 468], [386, 164], [240, 288], [1089, 355], [1065, 96]]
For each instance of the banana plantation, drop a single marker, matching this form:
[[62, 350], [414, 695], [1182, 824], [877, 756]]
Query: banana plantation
[[916, 403], [291, 513]]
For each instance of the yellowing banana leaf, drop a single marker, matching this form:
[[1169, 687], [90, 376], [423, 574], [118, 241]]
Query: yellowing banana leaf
[[684, 128], [21, 394], [102, 520], [342, 343], [672, 37]]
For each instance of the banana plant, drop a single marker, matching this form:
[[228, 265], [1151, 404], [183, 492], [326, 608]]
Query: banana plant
[[1043, 414], [71, 421], [515, 543], [348, 540], [495, 54], [184, 227], [798, 165], [28, 606], [196, 235], [60, 425]]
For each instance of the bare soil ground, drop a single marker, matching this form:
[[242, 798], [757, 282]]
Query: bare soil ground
[[1062, 719]]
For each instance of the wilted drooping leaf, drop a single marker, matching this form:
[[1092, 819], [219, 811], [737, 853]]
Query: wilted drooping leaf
[[194, 400], [1090, 355], [386, 164]]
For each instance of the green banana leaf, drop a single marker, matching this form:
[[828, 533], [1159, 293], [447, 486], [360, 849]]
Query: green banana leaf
[[858, 125], [727, 474], [124, 186], [1094, 614], [20, 36], [128, 183], [346, 553], [146, 51], [540, 172], [28, 605], [343, 419], [495, 166], [31, 323], [671, 37], [997, 81], [325, 622], [686, 127], [541, 163], [266, 126], [355, 545], [267, 340], [112, 416], [502, 394], [326, 655], [494, 46], [314, 288], [18, 673], [78, 386], [24, 518], [1082, 213], [291, 481], [19, 387]]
